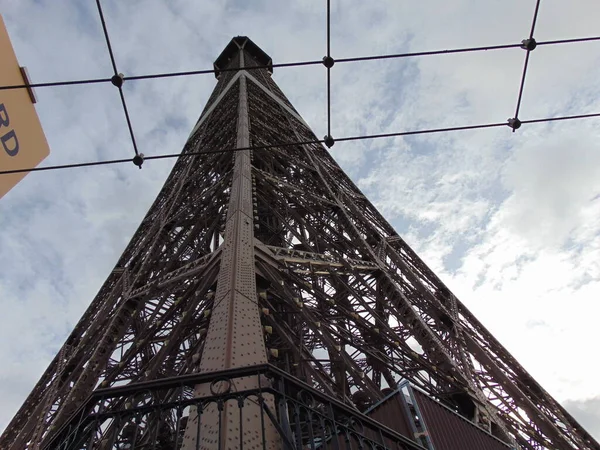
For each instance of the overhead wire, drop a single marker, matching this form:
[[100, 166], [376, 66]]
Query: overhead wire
[[534, 21], [569, 41], [105, 30], [556, 119], [117, 80], [296, 64], [428, 53], [288, 144], [328, 64], [129, 126], [529, 45]]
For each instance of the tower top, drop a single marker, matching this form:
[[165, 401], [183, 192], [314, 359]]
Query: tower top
[[235, 45]]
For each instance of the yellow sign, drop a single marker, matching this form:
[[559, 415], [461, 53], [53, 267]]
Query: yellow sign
[[22, 141]]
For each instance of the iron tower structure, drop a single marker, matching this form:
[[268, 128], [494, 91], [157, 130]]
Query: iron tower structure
[[265, 303]]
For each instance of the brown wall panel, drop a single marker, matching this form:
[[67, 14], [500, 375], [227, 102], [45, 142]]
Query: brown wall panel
[[450, 431], [391, 413]]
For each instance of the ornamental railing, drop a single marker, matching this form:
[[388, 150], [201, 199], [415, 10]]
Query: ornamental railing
[[168, 414]]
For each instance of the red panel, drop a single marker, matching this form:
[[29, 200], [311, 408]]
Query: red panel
[[450, 431], [392, 413]]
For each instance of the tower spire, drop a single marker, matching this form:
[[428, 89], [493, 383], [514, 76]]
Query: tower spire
[[235, 333]]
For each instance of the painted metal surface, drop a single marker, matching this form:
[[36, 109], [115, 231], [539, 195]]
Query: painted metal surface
[[392, 413], [449, 431], [235, 333], [414, 414]]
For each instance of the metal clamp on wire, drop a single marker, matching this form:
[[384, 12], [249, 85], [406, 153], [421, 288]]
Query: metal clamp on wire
[[138, 160], [528, 44], [328, 61], [514, 123], [117, 80], [329, 141]]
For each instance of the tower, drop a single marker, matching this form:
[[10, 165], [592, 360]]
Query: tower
[[265, 303]]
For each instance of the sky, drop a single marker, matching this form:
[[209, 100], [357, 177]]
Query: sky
[[509, 221]]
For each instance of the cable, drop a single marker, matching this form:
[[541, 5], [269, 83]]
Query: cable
[[300, 63], [66, 166], [569, 41], [428, 53], [288, 144], [556, 119], [522, 85], [165, 156], [116, 79], [328, 66], [55, 83], [430, 131], [229, 69], [463, 50], [296, 64], [528, 45], [110, 51], [328, 27], [535, 15], [135, 149]]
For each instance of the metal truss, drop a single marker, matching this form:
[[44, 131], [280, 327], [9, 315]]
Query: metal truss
[[249, 258]]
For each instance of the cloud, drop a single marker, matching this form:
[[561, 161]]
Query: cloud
[[555, 188], [586, 412]]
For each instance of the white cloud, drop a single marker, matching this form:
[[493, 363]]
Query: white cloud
[[559, 177], [586, 412]]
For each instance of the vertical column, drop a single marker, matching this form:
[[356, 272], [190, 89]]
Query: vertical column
[[235, 334]]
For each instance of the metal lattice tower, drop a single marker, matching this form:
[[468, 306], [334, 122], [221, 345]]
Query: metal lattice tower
[[265, 272]]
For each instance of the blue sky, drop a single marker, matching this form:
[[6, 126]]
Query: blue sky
[[510, 221]]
